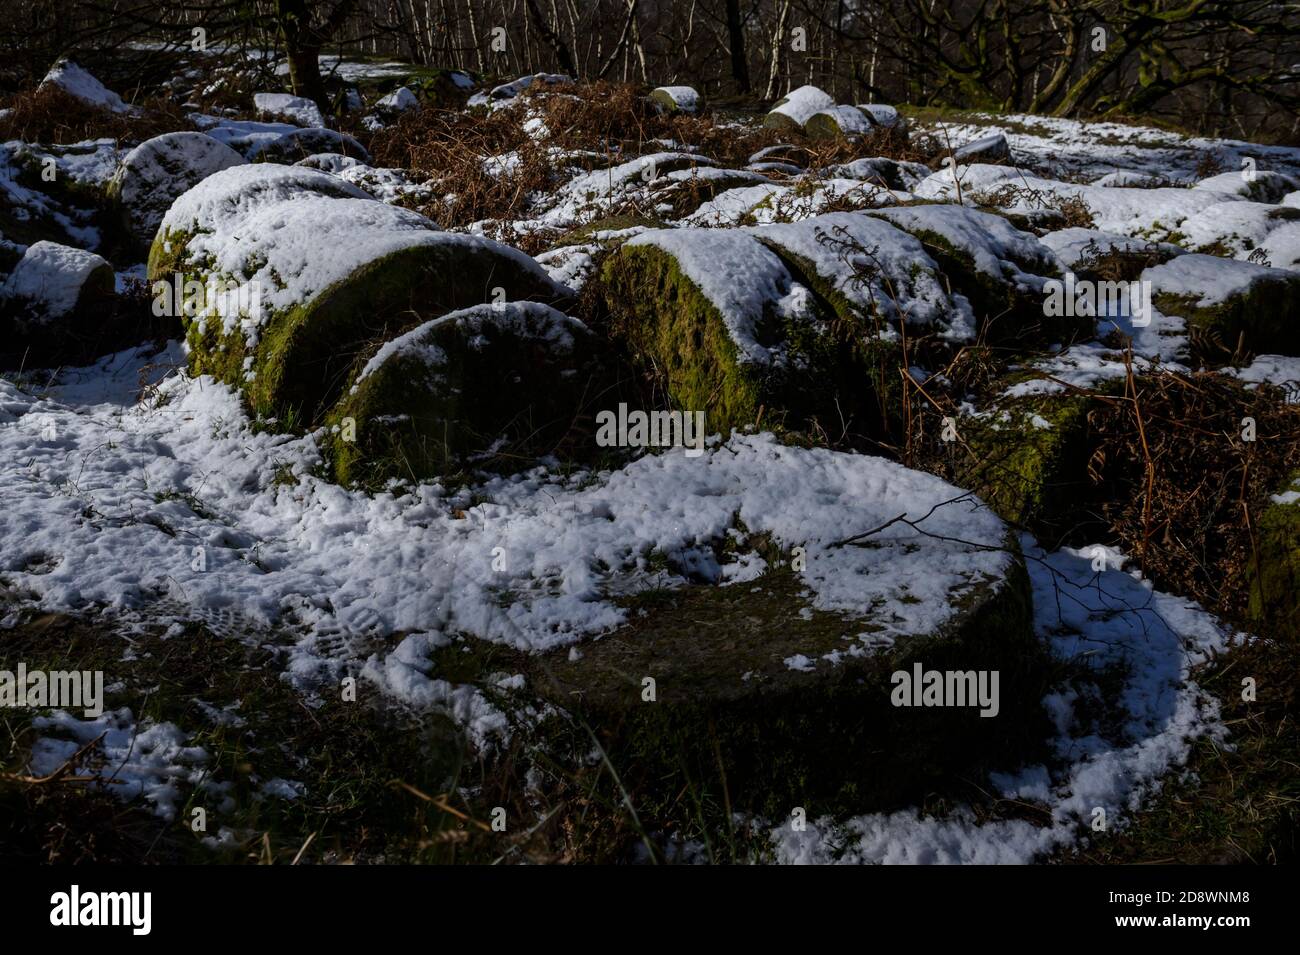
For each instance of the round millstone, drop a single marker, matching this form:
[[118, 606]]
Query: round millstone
[[762, 670], [488, 385]]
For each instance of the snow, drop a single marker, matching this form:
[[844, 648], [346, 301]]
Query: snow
[[740, 276], [777, 203], [996, 247], [1073, 245], [1208, 280], [386, 185], [1109, 618], [321, 562], [91, 162], [143, 761], [330, 162], [1125, 178], [159, 170], [1090, 364], [848, 119], [571, 265], [878, 273], [508, 91], [1281, 371], [1238, 228], [1282, 246], [1268, 185], [1153, 212], [881, 170], [77, 82], [1070, 148], [241, 135], [606, 186], [281, 234], [986, 147], [307, 140], [799, 105], [26, 204], [52, 276], [218, 204], [521, 318], [398, 101], [296, 109], [882, 114], [1289, 496], [685, 97]]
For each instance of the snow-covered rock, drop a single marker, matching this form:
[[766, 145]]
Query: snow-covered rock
[[1231, 300], [1074, 246], [301, 143], [873, 268], [1262, 185], [330, 162], [798, 106], [719, 319], [303, 269], [77, 82], [490, 383], [56, 305], [993, 148], [53, 278], [216, 208], [882, 114], [677, 99], [294, 109], [507, 91], [241, 135], [398, 101], [1235, 229], [158, 171], [838, 121]]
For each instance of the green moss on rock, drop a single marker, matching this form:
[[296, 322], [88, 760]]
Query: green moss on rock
[[677, 335], [497, 385], [1261, 317], [585, 234], [670, 325], [1274, 605], [734, 725], [304, 355], [1027, 458]]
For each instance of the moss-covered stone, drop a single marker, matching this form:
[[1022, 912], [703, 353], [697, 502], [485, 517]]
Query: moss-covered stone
[[1274, 605], [155, 173], [1027, 457], [306, 354], [841, 122], [1010, 314], [673, 331], [1231, 302], [586, 233], [231, 194], [733, 724], [491, 386], [677, 99]]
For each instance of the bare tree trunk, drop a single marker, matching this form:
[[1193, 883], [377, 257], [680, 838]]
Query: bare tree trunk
[[302, 47], [553, 39], [778, 49], [736, 40], [622, 42], [640, 50], [473, 34]]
